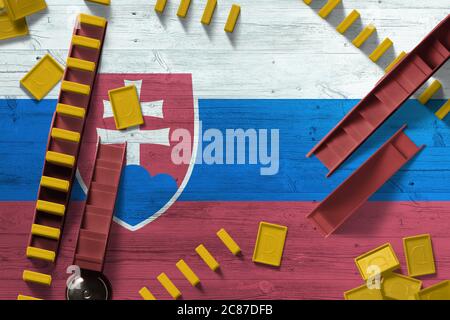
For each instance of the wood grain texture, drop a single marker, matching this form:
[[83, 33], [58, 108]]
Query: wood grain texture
[[312, 267], [280, 49]]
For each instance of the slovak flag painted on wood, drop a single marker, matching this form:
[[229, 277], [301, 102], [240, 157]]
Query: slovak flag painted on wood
[[151, 182], [192, 200]]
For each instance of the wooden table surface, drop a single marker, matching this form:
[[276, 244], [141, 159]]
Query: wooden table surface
[[281, 54]]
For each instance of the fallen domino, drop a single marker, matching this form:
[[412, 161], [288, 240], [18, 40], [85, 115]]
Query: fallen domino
[[169, 286], [443, 111], [70, 111], [232, 18], [430, 91], [146, 294], [364, 35], [56, 209], [395, 61], [45, 231], [188, 273], [348, 21], [51, 182], [22, 297], [37, 277], [328, 7], [160, 5], [80, 64], [209, 11], [40, 254], [207, 257], [103, 2], [380, 50], [228, 241], [86, 42], [183, 8]]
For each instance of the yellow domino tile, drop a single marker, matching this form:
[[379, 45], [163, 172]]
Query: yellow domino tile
[[183, 8], [103, 2], [270, 244], [381, 49], [55, 183], [146, 294], [348, 21], [443, 111], [232, 18], [382, 258], [399, 287], [328, 7], [42, 77], [364, 35], [160, 5], [50, 207], [207, 257], [42, 254], [86, 42], [188, 273], [308, 2], [61, 159], [92, 20], [169, 286], [79, 64], [12, 29], [45, 231], [70, 111], [67, 135], [22, 8], [363, 293], [74, 87], [419, 255], [126, 107], [228, 241], [209, 11], [430, 91], [439, 291], [399, 58], [37, 277], [22, 297]]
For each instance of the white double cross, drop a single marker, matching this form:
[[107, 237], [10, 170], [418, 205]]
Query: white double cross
[[133, 135]]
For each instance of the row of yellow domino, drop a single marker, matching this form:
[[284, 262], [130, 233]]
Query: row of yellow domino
[[187, 272], [268, 250], [380, 50], [207, 13]]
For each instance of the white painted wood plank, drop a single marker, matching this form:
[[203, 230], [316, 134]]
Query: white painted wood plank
[[280, 49]]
